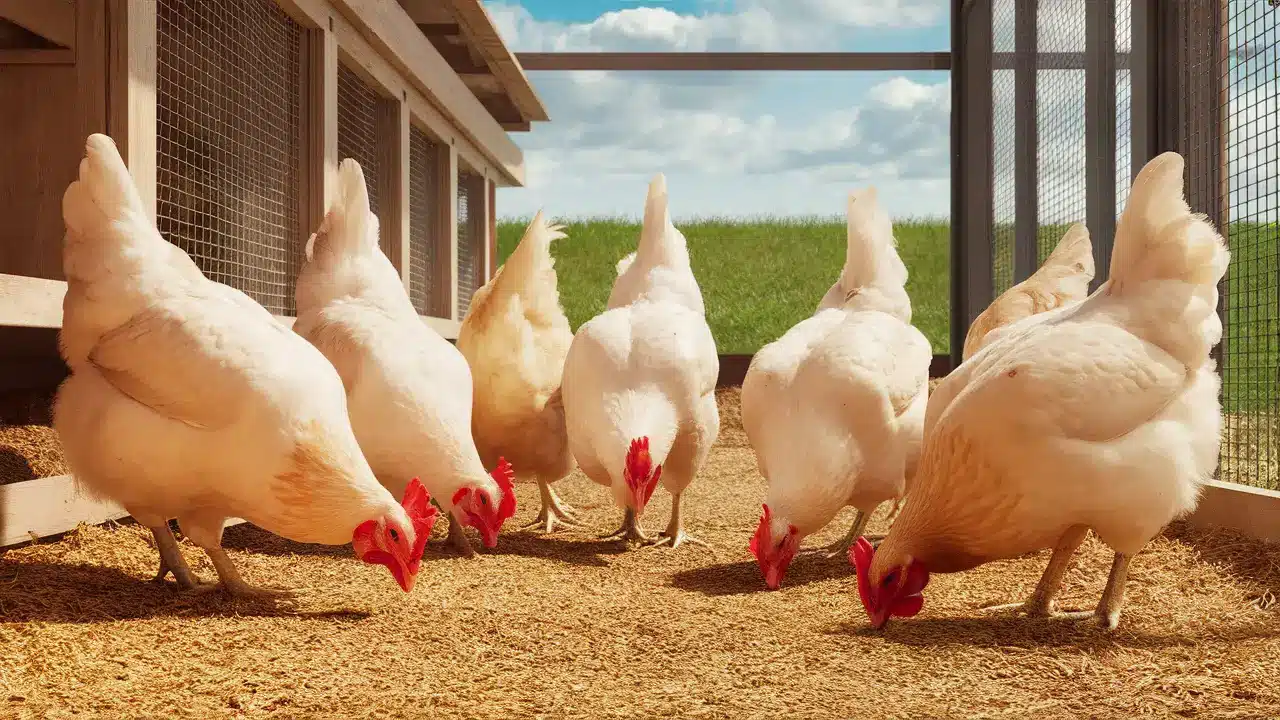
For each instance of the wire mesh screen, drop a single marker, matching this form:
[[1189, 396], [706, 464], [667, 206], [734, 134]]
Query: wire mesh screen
[[424, 232], [1060, 122], [1124, 107], [1230, 89], [468, 280], [229, 89], [358, 138], [1003, 112]]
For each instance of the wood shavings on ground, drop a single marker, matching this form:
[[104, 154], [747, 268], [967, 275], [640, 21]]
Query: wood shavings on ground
[[28, 452], [564, 626]]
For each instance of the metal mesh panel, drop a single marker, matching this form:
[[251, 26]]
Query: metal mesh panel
[[1060, 125], [424, 241], [229, 84], [1124, 108], [1003, 112], [358, 138], [466, 245], [1237, 77]]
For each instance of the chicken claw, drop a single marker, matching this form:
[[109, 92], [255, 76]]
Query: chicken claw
[[554, 510], [675, 535], [235, 585], [630, 531]]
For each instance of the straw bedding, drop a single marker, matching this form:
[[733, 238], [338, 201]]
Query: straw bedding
[[568, 627]]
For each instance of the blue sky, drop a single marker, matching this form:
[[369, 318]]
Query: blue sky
[[757, 143]]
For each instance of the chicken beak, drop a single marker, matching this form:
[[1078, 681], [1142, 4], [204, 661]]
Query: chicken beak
[[406, 579]]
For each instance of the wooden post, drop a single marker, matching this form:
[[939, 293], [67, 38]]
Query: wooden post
[[326, 131], [493, 229], [478, 215], [131, 100], [444, 289]]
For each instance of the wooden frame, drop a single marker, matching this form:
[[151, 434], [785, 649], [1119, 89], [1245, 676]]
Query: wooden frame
[[786, 61], [53, 20]]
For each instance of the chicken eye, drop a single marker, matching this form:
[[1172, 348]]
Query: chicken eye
[[395, 536], [484, 499], [890, 579]]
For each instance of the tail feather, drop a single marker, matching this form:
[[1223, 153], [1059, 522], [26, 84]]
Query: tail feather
[[103, 205], [1074, 248], [531, 270], [1159, 239], [871, 256], [349, 225], [660, 242]]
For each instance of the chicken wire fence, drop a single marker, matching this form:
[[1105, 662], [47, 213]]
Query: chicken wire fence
[[424, 226], [1083, 92], [360, 111], [470, 254], [229, 89]]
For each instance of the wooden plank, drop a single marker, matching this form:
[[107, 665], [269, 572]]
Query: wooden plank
[[43, 507], [785, 61], [1252, 511], [311, 207], [735, 61], [428, 12], [36, 56], [131, 77], [327, 114], [394, 35], [437, 127], [493, 229], [31, 302], [48, 506], [478, 219], [60, 106], [448, 329], [478, 26], [53, 20]]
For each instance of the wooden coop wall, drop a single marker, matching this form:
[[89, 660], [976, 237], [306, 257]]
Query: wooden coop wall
[[231, 93], [428, 236], [473, 224]]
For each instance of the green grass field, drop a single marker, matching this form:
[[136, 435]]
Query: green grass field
[[759, 278]]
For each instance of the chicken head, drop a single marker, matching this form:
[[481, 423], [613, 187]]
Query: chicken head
[[640, 474], [892, 589], [385, 542], [476, 507], [773, 555]]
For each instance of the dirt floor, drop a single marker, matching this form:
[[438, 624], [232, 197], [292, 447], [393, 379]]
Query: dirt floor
[[568, 627]]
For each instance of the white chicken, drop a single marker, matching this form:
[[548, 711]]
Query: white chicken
[[515, 338], [408, 389], [1102, 415], [1063, 279], [188, 400], [834, 409], [640, 378]]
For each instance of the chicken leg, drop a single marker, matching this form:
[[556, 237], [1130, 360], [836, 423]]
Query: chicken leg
[[235, 585], [630, 531], [1040, 604], [171, 560], [674, 535], [554, 510], [840, 548], [458, 539]]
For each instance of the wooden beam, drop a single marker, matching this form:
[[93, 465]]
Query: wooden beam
[[393, 159], [482, 83], [460, 56], [131, 99], [34, 509], [444, 284], [517, 126], [327, 114], [394, 35], [1252, 511], [427, 12], [480, 30], [31, 302], [491, 190], [725, 61], [440, 29], [53, 20], [480, 231]]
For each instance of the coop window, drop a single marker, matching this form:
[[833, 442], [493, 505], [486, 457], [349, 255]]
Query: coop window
[[425, 227], [471, 222], [363, 136], [229, 103]]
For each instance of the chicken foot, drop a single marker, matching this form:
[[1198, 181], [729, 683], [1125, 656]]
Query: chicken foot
[[554, 510], [235, 585], [171, 560], [630, 531], [1040, 604], [675, 535]]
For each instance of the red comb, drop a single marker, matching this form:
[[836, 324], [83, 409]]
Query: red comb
[[505, 476], [639, 465], [761, 530], [860, 557], [423, 515]]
